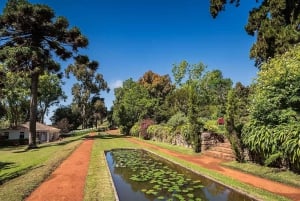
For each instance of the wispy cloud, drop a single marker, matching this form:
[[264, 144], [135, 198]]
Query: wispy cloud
[[115, 84]]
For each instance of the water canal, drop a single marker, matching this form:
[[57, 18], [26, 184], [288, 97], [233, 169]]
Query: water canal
[[142, 176]]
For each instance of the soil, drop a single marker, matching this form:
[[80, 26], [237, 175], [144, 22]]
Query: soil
[[67, 182]]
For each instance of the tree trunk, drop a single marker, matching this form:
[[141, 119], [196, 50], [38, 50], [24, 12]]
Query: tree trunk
[[43, 112], [33, 110]]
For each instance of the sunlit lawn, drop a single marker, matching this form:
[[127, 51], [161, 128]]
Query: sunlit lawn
[[98, 186], [282, 176], [30, 167], [36, 165]]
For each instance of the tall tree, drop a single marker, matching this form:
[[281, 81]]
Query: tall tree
[[30, 36], [99, 111], [237, 116], [275, 23], [16, 97], [89, 84], [214, 89], [177, 100], [131, 105], [190, 76], [50, 93], [158, 86]]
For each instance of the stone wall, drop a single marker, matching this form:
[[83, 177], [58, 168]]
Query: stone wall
[[210, 139]]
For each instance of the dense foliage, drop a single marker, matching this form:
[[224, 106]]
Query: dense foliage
[[66, 118], [236, 117], [199, 97], [133, 103], [50, 94], [273, 131], [16, 96], [30, 37]]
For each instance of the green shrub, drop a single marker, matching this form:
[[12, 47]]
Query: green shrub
[[161, 132], [274, 145], [135, 130], [177, 120]]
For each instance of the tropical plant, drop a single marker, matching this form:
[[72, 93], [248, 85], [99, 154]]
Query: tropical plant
[[160, 132], [275, 112], [177, 120]]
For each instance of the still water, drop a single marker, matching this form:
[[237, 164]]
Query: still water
[[141, 176]]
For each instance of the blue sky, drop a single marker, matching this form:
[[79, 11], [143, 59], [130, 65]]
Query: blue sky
[[130, 37]]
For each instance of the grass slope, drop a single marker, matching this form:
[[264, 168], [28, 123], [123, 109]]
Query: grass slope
[[275, 174], [22, 171], [98, 185]]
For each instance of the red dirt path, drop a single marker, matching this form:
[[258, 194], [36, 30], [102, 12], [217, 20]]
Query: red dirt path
[[67, 182], [215, 164]]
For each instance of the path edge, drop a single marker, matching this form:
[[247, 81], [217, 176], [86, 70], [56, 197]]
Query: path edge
[[110, 177]]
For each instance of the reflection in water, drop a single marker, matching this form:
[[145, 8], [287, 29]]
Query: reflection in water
[[141, 176]]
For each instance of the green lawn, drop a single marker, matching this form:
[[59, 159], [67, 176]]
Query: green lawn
[[275, 174], [31, 167], [98, 185], [95, 190], [35, 165]]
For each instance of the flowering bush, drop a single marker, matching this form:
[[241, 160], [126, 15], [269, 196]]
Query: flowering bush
[[143, 128]]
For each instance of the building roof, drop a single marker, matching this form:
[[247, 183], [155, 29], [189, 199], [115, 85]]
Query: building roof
[[42, 127], [39, 127]]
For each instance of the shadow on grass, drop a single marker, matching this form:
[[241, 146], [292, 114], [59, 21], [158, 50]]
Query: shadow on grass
[[6, 165], [11, 175], [50, 144], [60, 143], [106, 136]]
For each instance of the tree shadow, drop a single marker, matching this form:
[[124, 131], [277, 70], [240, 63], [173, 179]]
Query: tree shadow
[[60, 143], [6, 165], [11, 175], [106, 136], [49, 144]]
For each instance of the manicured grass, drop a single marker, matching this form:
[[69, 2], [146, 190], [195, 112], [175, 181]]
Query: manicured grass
[[286, 177], [98, 183], [98, 186], [30, 167]]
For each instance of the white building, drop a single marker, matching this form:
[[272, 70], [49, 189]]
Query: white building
[[20, 134]]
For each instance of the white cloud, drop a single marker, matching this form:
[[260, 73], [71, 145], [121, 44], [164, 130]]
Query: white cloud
[[116, 84]]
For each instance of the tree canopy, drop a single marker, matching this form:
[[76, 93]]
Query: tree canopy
[[89, 84], [275, 23], [132, 104], [30, 37], [49, 93]]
